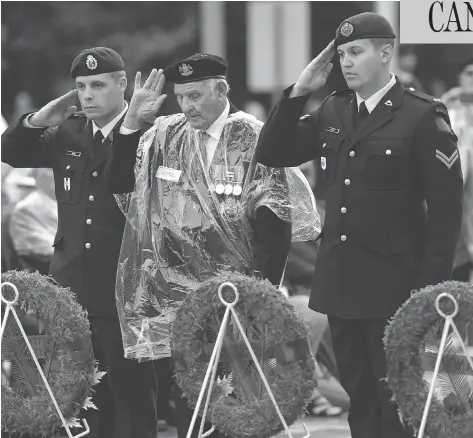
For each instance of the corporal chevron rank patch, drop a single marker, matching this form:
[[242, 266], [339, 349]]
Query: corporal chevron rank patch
[[449, 161]]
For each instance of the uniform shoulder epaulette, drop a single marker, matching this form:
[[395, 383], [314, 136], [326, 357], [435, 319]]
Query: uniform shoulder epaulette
[[424, 96], [437, 104]]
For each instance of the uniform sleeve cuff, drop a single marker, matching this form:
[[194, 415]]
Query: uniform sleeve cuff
[[27, 124], [287, 92], [293, 104], [126, 131]]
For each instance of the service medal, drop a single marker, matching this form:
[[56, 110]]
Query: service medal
[[237, 190], [219, 188], [228, 189]]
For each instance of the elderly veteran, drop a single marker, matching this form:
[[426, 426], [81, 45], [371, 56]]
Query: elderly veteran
[[393, 202], [200, 204], [90, 227]]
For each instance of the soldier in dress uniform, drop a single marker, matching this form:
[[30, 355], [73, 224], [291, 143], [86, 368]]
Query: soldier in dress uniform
[[394, 202], [90, 229]]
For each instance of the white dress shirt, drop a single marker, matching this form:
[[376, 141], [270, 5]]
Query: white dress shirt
[[108, 128], [374, 99], [215, 131]]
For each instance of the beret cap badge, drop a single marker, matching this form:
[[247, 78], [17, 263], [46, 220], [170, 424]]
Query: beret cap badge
[[185, 70], [91, 62], [347, 29]]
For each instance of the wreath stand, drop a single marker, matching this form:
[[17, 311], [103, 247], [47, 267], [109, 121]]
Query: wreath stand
[[209, 379], [449, 322], [10, 307]]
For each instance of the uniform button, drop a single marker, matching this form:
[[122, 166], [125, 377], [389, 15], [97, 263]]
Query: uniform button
[[95, 174], [88, 221], [343, 210], [388, 152], [347, 182], [412, 89], [325, 144], [87, 246], [91, 198], [343, 238], [352, 153]]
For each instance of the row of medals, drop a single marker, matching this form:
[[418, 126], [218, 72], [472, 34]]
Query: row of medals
[[228, 188]]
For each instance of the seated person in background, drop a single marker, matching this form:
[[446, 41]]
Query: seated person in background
[[17, 184], [33, 225]]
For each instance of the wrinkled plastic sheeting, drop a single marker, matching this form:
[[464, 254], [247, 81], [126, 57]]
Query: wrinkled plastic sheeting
[[180, 233]]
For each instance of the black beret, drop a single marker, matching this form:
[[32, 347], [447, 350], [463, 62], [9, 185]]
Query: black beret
[[361, 26], [196, 68], [96, 61]]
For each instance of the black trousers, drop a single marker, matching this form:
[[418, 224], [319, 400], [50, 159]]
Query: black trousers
[[126, 396], [361, 361]]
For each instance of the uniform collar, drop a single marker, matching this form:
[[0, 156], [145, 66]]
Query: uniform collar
[[216, 128], [108, 128], [374, 99]]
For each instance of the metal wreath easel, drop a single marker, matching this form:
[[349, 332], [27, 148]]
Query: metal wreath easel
[[449, 322], [209, 379], [10, 308]]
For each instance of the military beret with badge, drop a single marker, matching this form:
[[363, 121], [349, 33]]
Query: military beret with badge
[[197, 67], [363, 26], [95, 61]]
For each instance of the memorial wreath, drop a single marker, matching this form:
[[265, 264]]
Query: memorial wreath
[[240, 405], [412, 343], [58, 331]]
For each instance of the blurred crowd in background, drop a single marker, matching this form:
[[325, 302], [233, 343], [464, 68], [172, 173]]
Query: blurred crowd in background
[[40, 39]]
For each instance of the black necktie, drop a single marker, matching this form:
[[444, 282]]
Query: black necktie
[[361, 115], [98, 138]]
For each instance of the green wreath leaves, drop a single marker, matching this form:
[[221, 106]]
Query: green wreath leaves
[[406, 343], [58, 330], [240, 405]]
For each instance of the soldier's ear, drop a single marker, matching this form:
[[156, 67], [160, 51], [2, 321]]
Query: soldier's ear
[[122, 83], [387, 52]]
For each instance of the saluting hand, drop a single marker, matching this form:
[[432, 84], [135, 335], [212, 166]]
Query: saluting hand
[[146, 100], [56, 111], [316, 73]]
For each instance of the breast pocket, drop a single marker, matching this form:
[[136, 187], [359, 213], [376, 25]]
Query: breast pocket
[[68, 178], [329, 147], [387, 166]]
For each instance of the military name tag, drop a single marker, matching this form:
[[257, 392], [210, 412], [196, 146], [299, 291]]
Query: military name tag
[[168, 174], [323, 163], [73, 154]]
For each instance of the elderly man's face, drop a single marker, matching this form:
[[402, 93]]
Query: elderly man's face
[[200, 102]]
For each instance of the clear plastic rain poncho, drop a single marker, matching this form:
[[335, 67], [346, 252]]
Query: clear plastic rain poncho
[[180, 233]]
